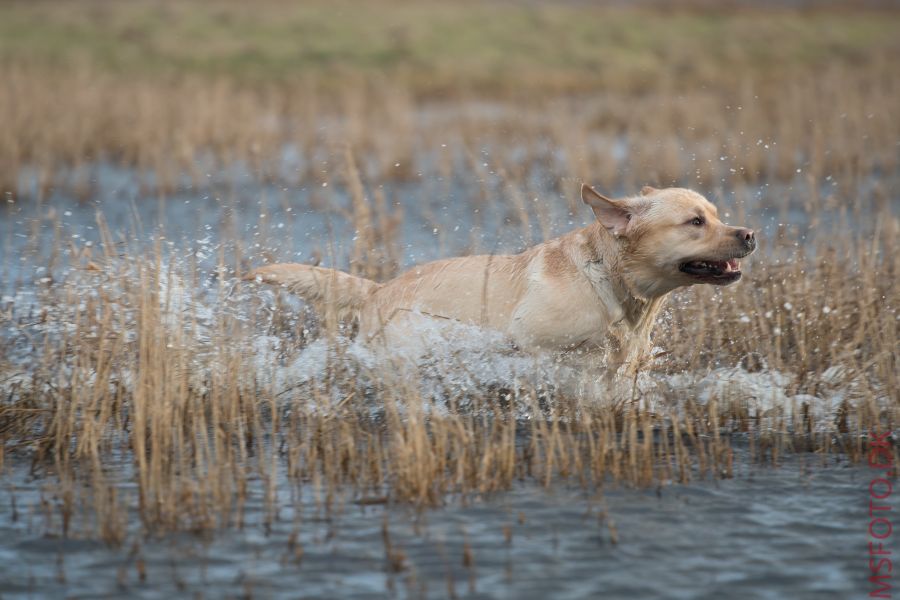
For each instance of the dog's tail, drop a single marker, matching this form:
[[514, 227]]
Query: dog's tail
[[326, 288]]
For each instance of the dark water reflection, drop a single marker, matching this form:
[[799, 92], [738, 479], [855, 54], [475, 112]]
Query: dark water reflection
[[796, 531]]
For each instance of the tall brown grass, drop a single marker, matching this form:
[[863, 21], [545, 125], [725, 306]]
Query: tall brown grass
[[124, 368], [834, 122]]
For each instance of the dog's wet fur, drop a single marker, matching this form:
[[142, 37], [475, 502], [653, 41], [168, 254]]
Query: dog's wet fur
[[598, 288]]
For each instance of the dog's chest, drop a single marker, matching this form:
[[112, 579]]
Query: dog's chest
[[602, 287]]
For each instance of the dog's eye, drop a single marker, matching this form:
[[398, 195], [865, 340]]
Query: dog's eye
[[698, 221]]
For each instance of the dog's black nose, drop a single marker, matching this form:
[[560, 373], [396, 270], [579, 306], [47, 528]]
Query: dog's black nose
[[746, 236]]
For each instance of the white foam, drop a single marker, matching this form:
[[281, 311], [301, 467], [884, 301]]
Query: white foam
[[446, 360]]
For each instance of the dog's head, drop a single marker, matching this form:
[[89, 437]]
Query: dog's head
[[671, 238]]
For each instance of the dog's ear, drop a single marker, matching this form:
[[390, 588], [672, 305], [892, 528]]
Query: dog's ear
[[647, 190], [613, 214]]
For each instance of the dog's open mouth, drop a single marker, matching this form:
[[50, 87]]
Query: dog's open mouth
[[713, 271]]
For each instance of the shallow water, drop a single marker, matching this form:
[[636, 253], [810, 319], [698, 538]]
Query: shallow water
[[440, 217], [795, 531]]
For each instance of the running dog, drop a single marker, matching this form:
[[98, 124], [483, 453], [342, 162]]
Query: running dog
[[598, 288]]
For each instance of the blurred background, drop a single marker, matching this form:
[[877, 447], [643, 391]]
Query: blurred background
[[673, 86]]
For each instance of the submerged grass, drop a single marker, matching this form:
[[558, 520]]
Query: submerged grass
[[131, 355], [135, 354]]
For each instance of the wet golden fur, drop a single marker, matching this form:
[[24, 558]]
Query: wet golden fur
[[597, 288]]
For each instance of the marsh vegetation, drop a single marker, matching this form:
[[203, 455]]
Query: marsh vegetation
[[151, 153]]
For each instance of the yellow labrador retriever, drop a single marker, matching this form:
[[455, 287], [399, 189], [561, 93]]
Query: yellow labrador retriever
[[596, 288]]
